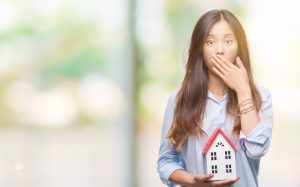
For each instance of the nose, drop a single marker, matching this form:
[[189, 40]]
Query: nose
[[220, 49]]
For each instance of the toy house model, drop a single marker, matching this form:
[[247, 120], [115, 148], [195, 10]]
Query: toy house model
[[219, 156]]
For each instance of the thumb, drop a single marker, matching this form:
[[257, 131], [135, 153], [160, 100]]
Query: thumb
[[203, 178], [239, 62]]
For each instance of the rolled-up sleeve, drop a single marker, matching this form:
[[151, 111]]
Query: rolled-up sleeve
[[169, 158], [257, 142]]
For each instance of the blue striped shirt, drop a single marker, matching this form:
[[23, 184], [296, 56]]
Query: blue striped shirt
[[250, 148]]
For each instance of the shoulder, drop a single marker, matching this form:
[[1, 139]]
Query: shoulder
[[173, 96], [264, 92], [172, 99]]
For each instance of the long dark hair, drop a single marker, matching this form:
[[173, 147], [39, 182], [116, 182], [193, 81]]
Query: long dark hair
[[191, 98]]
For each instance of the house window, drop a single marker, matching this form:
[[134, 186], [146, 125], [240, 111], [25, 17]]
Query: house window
[[214, 169], [227, 155], [228, 168], [219, 144], [213, 155]]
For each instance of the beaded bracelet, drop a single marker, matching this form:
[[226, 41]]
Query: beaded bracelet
[[245, 111], [243, 102], [246, 105]]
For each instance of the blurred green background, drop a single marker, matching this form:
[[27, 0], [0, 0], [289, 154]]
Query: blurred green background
[[84, 85]]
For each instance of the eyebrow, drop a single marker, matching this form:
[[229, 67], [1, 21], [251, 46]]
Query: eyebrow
[[227, 34]]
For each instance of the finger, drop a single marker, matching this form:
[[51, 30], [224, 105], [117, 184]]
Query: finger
[[219, 67], [239, 62], [222, 183], [219, 73], [225, 182], [203, 178], [225, 61], [220, 62]]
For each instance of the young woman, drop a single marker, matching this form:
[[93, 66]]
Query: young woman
[[218, 91]]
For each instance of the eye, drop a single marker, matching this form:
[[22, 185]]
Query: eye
[[228, 41], [210, 42]]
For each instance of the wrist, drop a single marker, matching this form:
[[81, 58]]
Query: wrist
[[183, 178], [190, 180], [244, 93]]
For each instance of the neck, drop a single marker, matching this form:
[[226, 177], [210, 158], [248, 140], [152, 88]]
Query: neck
[[216, 85]]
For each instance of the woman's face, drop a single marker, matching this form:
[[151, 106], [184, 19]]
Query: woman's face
[[220, 40]]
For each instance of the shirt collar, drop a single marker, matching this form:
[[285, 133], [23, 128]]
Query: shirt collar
[[211, 96]]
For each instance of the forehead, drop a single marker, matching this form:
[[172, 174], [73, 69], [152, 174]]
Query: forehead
[[220, 28]]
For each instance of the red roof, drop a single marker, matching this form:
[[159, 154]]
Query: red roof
[[212, 139]]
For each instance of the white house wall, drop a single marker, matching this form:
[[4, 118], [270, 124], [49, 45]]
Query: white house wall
[[221, 161]]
